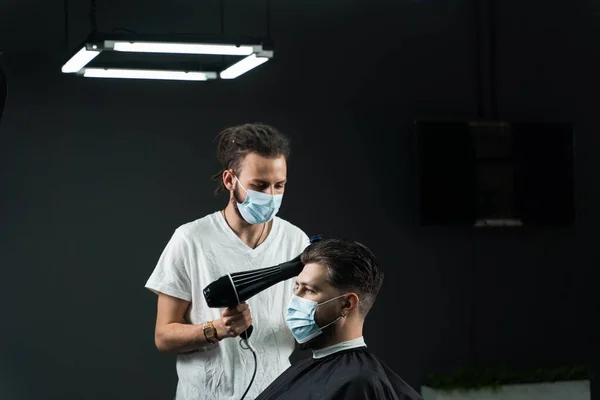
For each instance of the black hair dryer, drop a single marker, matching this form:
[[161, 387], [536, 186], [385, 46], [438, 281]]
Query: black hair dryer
[[233, 289]]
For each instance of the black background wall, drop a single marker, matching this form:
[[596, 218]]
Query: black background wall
[[96, 175]]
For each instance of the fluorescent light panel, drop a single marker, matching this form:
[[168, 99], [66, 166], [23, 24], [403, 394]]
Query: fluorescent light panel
[[79, 60], [84, 56], [147, 74], [243, 66], [181, 48]]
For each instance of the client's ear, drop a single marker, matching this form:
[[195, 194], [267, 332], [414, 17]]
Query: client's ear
[[352, 303]]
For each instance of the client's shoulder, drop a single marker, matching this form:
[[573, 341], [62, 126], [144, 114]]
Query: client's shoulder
[[365, 376], [364, 382], [364, 366]]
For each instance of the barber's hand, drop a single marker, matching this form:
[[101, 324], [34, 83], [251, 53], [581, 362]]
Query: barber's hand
[[233, 321]]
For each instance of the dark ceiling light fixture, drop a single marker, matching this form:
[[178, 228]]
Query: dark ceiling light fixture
[[253, 52]]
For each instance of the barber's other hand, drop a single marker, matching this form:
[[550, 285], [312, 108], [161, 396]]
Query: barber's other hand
[[233, 321]]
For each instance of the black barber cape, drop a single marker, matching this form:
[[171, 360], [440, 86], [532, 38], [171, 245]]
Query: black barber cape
[[350, 374]]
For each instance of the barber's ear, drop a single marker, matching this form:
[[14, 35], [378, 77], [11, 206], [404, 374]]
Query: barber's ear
[[228, 179]]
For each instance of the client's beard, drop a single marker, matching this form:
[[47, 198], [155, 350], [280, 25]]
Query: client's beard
[[308, 345], [319, 341]]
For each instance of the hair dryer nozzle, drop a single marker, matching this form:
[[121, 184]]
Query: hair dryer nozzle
[[232, 289], [248, 284]]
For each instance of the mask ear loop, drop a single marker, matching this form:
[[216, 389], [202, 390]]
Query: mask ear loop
[[327, 301], [238, 181], [335, 320], [332, 322]]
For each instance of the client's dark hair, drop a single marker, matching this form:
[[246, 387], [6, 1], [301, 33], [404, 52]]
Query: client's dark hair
[[350, 266], [235, 143]]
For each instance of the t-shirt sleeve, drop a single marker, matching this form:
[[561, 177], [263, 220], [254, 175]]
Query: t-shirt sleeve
[[171, 275]]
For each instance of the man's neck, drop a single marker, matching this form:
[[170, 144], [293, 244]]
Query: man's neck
[[345, 345], [346, 336], [251, 234]]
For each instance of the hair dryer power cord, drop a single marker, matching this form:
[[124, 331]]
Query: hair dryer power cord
[[249, 347]]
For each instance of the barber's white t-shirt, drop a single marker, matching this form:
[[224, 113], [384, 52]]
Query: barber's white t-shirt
[[197, 254]]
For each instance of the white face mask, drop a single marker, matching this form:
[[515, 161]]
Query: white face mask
[[259, 207], [300, 318]]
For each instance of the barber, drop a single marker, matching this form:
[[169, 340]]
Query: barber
[[245, 235]]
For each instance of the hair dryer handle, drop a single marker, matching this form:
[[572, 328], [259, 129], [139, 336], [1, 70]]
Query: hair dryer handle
[[246, 334]]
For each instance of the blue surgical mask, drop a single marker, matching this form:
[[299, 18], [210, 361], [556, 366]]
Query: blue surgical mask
[[300, 318], [259, 207]]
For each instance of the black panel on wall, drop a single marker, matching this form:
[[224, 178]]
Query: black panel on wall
[[446, 174], [495, 173]]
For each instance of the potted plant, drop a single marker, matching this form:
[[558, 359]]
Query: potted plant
[[561, 383]]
